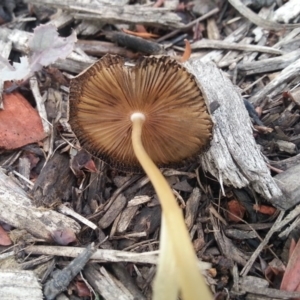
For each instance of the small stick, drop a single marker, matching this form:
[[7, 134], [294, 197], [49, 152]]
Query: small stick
[[189, 25], [69, 212]]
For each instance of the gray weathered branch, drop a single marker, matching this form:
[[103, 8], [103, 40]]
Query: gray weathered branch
[[234, 158]]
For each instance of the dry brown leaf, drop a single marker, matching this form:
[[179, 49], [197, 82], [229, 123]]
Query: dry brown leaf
[[4, 238], [20, 124], [236, 211]]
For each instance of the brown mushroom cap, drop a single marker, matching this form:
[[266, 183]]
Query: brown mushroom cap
[[102, 99]]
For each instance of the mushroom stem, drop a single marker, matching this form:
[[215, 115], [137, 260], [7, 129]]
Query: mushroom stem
[[191, 283]]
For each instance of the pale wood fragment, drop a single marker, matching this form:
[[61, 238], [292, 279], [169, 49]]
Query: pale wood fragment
[[252, 287], [286, 163], [17, 284], [214, 44], [189, 25], [235, 36], [233, 158], [105, 255], [60, 19], [126, 216], [105, 284], [88, 27], [74, 63], [286, 75], [113, 211], [40, 105], [257, 20], [191, 209], [112, 14], [70, 212], [212, 29], [287, 11], [270, 64], [16, 210], [171, 4], [24, 171], [138, 200], [288, 181], [202, 7], [232, 57], [286, 146]]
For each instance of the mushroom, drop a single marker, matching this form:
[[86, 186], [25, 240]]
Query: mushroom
[[148, 115]]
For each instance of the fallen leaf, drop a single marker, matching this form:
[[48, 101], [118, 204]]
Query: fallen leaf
[[291, 278], [236, 211], [45, 46], [4, 238], [18, 71], [20, 124]]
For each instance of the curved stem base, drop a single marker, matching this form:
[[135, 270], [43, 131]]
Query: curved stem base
[[189, 278]]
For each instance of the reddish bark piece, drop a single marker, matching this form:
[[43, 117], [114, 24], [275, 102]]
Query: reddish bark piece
[[291, 277], [82, 289], [265, 209], [140, 28], [90, 166], [274, 273], [4, 238], [64, 237], [20, 124], [83, 161], [237, 211]]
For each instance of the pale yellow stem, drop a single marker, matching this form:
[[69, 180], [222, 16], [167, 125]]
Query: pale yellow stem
[[165, 285], [191, 282]]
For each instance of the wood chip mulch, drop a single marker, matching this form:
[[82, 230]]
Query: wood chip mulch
[[67, 212]]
